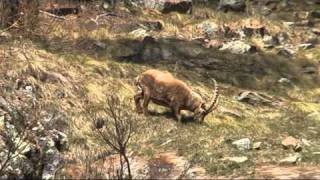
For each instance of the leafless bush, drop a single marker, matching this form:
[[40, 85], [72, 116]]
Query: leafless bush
[[115, 124], [30, 11], [16, 133], [23, 11], [8, 12]]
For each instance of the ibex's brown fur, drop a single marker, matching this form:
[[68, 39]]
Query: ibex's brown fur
[[163, 89]]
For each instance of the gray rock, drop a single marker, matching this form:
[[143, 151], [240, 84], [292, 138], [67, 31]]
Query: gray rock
[[282, 37], [289, 142], [209, 28], [242, 144], [5, 34], [285, 81], [286, 51], [60, 139], [238, 47], [52, 158], [153, 25], [139, 33], [292, 159], [53, 162], [305, 142], [255, 98], [270, 41], [298, 147], [315, 14], [28, 89], [233, 5], [240, 159], [167, 6], [100, 44], [310, 70], [306, 46], [257, 145], [316, 31]]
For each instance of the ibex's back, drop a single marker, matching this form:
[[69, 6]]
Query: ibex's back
[[163, 86]]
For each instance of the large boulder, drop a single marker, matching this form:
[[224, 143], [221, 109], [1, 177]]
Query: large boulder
[[238, 47], [167, 6], [233, 5]]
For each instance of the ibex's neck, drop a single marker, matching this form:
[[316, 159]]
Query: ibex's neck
[[193, 101]]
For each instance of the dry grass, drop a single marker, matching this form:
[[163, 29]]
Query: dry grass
[[90, 74]]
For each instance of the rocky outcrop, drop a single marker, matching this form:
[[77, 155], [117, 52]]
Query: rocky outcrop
[[167, 6], [238, 47], [233, 5]]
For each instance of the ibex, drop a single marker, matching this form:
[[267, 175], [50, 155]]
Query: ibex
[[165, 90]]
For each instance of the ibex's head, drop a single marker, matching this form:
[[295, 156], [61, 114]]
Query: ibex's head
[[202, 110]]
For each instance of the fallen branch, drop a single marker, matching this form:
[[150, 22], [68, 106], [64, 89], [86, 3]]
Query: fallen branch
[[52, 15], [8, 28], [101, 15]]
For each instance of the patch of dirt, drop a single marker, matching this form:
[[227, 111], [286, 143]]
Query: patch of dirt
[[288, 172]]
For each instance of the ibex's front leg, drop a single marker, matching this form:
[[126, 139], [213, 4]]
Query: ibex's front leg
[[146, 100], [137, 99], [176, 110]]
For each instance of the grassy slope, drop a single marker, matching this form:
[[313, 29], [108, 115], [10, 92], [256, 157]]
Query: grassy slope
[[92, 73]]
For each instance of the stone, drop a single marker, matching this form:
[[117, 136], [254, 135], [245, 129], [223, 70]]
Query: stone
[[167, 6], [238, 47], [257, 145], [316, 31], [53, 162], [289, 142], [285, 81], [270, 41], [233, 5], [100, 44], [310, 70], [315, 14], [285, 51], [153, 25], [5, 34], [60, 139], [208, 28], [28, 89], [216, 44], [292, 159], [282, 37], [240, 159], [242, 144], [305, 142], [255, 98], [298, 147], [139, 33], [306, 46]]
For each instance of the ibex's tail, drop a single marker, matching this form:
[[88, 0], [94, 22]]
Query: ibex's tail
[[215, 99]]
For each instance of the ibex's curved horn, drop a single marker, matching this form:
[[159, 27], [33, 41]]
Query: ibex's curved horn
[[215, 99]]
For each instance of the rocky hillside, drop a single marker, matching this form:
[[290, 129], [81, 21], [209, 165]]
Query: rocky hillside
[[264, 55]]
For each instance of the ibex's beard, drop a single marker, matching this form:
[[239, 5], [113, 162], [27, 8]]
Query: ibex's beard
[[199, 116]]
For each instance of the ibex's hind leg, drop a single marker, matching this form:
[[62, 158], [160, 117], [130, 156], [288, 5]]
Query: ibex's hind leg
[[146, 100], [137, 99]]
